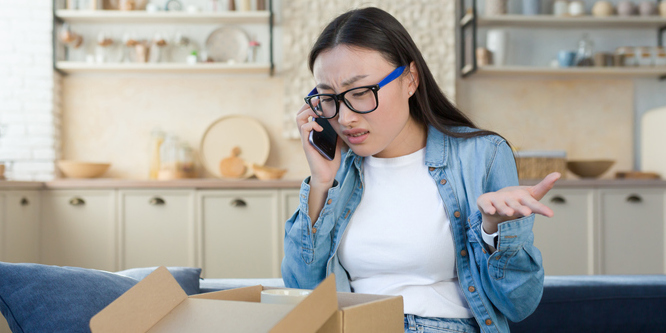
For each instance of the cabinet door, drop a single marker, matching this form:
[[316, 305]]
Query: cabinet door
[[632, 231], [289, 202], [79, 228], [21, 233], [566, 240], [239, 230], [157, 228]]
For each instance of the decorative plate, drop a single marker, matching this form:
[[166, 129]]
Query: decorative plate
[[228, 44]]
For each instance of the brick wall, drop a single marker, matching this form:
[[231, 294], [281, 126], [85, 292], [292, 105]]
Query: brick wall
[[29, 91]]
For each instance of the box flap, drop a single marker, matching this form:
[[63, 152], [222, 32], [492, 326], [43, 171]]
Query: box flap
[[245, 294], [141, 307], [377, 315], [213, 316], [313, 312]]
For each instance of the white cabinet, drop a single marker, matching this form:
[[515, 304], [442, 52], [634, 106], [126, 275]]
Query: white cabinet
[[239, 229], [632, 231], [20, 226], [566, 240], [157, 228], [79, 228]]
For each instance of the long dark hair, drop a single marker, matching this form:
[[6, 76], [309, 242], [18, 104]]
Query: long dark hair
[[374, 29]]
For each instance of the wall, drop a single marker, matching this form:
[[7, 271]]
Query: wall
[[109, 117], [29, 91]]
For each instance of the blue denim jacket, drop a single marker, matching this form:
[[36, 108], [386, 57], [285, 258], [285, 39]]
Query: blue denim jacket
[[507, 283]]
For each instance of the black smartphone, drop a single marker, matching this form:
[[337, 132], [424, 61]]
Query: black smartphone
[[326, 140]]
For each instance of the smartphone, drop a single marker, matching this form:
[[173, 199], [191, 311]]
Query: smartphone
[[326, 140]]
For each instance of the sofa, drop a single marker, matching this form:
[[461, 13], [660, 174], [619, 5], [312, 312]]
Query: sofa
[[40, 298]]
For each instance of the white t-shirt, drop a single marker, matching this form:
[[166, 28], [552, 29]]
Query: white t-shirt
[[399, 240]]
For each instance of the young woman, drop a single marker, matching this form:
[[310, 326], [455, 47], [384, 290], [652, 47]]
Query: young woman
[[421, 203]]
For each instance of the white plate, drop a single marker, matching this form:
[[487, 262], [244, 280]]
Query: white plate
[[234, 131], [228, 43]]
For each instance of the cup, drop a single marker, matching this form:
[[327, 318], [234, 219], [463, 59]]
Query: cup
[[531, 7], [566, 58], [561, 8], [603, 59], [496, 42], [284, 296]]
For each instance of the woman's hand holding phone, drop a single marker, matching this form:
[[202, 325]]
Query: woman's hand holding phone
[[322, 170]]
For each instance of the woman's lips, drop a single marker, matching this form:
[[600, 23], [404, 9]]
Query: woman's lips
[[356, 136]]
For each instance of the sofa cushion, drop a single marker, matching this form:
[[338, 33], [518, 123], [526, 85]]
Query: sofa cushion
[[599, 303], [39, 298], [187, 277]]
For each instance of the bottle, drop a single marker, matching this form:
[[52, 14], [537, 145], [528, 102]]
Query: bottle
[[584, 54], [157, 137]]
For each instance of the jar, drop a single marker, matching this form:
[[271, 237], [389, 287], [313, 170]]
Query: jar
[[644, 56], [647, 8], [156, 140], [576, 8], [659, 56], [626, 8], [169, 158], [584, 54], [561, 8], [186, 168], [629, 55], [602, 9]]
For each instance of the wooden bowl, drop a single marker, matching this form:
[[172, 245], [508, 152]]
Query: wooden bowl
[[268, 173], [589, 168], [78, 169]]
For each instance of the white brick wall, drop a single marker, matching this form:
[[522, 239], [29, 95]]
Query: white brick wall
[[29, 91]]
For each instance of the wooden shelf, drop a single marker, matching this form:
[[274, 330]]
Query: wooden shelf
[[551, 21], [582, 72], [140, 16], [70, 67]]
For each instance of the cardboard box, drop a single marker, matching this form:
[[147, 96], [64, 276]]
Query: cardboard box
[[158, 304]]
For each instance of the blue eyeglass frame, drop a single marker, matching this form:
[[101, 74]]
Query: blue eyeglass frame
[[341, 96]]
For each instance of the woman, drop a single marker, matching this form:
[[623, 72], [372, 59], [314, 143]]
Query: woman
[[421, 203]]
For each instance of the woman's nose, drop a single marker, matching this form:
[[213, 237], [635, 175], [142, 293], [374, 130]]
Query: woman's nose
[[346, 116]]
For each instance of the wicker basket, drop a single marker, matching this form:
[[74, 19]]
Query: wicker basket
[[538, 164]]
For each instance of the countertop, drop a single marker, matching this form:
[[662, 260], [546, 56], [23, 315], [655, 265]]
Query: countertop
[[206, 183]]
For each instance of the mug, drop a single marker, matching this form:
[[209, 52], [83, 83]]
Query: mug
[[566, 58], [531, 7], [284, 296]]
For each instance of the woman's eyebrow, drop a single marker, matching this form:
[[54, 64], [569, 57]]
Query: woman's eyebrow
[[346, 83]]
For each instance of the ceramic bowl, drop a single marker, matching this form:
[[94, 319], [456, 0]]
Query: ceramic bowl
[[268, 173], [589, 168], [78, 169], [284, 296]]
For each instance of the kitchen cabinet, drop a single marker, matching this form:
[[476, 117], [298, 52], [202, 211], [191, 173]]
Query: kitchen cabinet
[[632, 231], [567, 240], [157, 228], [238, 233], [79, 229], [20, 226]]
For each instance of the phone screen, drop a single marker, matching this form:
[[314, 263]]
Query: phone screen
[[326, 140]]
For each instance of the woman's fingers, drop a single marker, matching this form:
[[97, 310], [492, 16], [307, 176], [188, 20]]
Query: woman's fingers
[[485, 206], [520, 209], [539, 190], [536, 206]]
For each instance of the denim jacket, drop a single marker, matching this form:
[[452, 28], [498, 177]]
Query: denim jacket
[[507, 283]]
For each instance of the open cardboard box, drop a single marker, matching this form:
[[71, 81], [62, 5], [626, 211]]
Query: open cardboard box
[[158, 304]]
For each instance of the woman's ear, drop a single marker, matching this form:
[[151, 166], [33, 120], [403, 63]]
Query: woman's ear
[[413, 77]]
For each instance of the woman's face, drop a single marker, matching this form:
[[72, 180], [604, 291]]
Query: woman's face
[[389, 131]]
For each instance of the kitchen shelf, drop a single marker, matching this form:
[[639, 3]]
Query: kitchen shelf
[[584, 72], [70, 67], [137, 16], [550, 21]]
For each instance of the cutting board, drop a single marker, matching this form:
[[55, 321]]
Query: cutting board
[[653, 141]]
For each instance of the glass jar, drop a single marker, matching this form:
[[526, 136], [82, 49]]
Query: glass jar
[[169, 158], [186, 161], [659, 56], [584, 54], [644, 56], [156, 140]]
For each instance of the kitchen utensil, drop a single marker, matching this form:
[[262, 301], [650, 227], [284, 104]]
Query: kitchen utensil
[[233, 166], [602, 9], [589, 168], [653, 136], [647, 8], [496, 42], [626, 8], [234, 131], [565, 58], [531, 7], [79, 169], [561, 8], [495, 7], [576, 8], [268, 173], [636, 175], [228, 44]]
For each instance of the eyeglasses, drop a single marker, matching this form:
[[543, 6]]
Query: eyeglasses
[[360, 99]]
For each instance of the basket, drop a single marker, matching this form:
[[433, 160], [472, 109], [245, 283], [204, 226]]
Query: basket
[[536, 164]]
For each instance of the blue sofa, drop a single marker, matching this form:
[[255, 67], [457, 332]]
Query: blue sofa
[[596, 303]]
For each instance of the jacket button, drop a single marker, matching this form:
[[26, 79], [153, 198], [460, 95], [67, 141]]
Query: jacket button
[[314, 230], [431, 169], [463, 253], [489, 322], [456, 214], [443, 181], [483, 250], [471, 289], [329, 201]]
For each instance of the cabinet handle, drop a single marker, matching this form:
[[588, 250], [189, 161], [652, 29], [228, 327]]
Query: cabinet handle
[[25, 202], [635, 198], [238, 203], [77, 202], [157, 201], [558, 200]]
